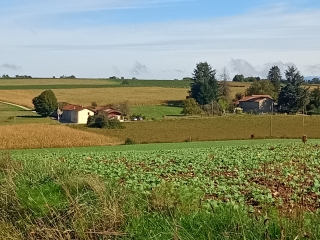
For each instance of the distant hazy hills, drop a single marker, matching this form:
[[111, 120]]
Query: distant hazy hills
[[311, 77]]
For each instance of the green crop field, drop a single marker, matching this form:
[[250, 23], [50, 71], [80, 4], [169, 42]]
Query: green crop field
[[258, 174], [153, 146], [56, 83], [263, 189]]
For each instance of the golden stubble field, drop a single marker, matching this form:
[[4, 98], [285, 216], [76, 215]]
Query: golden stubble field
[[217, 128], [133, 95], [83, 96], [25, 136]]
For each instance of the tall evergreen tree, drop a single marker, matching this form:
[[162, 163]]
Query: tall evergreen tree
[[204, 86], [293, 97], [274, 76]]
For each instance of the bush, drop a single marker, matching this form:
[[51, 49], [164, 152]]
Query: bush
[[138, 117], [45, 103], [102, 121], [94, 104], [212, 108], [125, 82], [129, 141], [191, 107], [238, 110]]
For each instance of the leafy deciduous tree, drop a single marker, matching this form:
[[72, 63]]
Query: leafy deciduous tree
[[262, 87], [314, 105], [224, 88], [239, 96], [45, 103], [238, 78]]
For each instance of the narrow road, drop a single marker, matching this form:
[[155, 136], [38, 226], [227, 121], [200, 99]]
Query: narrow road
[[16, 105]]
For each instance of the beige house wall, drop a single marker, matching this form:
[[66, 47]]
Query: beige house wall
[[82, 116], [266, 105]]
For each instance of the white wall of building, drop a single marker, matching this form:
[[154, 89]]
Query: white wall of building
[[82, 116]]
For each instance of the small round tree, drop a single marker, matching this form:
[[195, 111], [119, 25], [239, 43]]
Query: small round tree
[[191, 107], [45, 103]]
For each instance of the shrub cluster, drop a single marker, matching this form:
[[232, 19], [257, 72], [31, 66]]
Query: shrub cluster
[[134, 117], [129, 141], [102, 121]]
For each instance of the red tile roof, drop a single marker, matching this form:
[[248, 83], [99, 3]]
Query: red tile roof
[[107, 109], [71, 107], [255, 98]]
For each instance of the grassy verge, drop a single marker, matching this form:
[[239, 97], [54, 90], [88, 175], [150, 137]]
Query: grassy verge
[[14, 115]]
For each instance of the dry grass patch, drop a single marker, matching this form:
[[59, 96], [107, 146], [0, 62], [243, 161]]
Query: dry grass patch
[[134, 95], [49, 136], [238, 87], [217, 128]]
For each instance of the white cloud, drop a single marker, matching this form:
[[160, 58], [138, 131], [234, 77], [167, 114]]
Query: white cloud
[[313, 69], [10, 66], [248, 70], [139, 69]]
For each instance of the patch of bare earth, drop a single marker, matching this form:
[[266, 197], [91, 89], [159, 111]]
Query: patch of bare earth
[[49, 136], [292, 193]]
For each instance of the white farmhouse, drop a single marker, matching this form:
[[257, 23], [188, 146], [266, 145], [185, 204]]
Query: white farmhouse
[[76, 114]]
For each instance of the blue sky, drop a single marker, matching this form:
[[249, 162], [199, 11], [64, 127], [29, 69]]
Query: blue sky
[[157, 39]]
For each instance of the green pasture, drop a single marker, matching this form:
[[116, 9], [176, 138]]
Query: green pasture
[[15, 115]]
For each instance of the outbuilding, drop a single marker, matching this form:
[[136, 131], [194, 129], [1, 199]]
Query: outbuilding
[[257, 104]]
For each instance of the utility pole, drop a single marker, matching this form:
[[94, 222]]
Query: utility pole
[[303, 111], [271, 119]]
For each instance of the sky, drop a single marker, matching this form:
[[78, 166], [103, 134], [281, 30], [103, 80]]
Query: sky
[[157, 39]]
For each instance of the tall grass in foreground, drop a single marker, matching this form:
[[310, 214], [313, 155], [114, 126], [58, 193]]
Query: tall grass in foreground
[[46, 200]]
